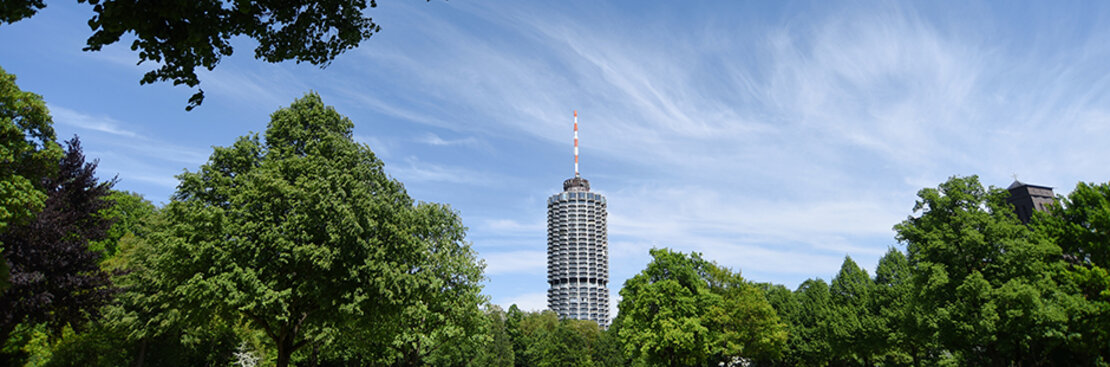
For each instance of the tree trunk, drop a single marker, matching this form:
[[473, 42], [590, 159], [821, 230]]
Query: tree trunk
[[284, 350], [140, 360], [313, 361]]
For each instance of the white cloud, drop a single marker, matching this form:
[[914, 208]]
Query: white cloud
[[415, 170], [435, 140], [83, 121]]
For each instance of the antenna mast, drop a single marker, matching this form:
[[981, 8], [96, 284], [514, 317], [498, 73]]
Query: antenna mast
[[575, 143]]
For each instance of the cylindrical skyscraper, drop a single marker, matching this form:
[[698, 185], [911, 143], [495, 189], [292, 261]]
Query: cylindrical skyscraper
[[578, 250]]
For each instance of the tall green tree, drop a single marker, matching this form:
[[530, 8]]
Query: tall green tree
[[305, 237], [744, 324], [180, 36], [908, 338], [810, 344], [28, 154], [513, 319], [661, 311], [608, 351], [989, 278], [143, 325], [683, 311], [499, 351], [855, 329]]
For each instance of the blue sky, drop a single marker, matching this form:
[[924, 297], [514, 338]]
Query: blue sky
[[774, 137]]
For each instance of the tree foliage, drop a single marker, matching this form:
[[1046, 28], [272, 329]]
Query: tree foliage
[[499, 351], [54, 276], [683, 311], [807, 312], [182, 35], [28, 153], [907, 336], [304, 236], [1080, 225], [989, 278], [129, 214]]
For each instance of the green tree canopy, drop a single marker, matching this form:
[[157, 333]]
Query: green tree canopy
[[989, 278], [304, 236], [855, 330], [810, 344], [183, 35], [499, 351], [1080, 225], [129, 214], [685, 311], [907, 334], [548, 341]]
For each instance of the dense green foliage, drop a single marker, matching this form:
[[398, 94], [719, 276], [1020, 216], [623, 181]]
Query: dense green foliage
[[992, 282], [181, 36], [686, 311], [304, 237], [975, 287], [542, 339], [1080, 225]]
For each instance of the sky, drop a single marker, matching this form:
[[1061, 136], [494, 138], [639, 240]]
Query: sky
[[774, 137]]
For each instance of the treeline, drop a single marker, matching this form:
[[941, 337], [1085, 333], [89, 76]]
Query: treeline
[[294, 247], [975, 287]]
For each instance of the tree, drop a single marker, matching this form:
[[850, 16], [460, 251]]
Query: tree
[[499, 351], [744, 323], [609, 351], [28, 153], [304, 236], [991, 281], [55, 278], [855, 330], [1080, 225], [440, 322], [129, 214], [683, 310], [513, 319], [183, 35], [908, 336], [809, 340], [661, 311], [550, 342]]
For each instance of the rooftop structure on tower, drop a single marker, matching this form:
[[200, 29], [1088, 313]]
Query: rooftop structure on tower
[[1028, 198]]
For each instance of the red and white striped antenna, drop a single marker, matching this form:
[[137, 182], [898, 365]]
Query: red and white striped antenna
[[575, 143]]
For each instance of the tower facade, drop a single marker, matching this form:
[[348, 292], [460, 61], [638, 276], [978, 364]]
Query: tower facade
[[578, 250], [578, 253]]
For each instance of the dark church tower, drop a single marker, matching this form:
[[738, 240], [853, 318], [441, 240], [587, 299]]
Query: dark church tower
[[1027, 198]]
